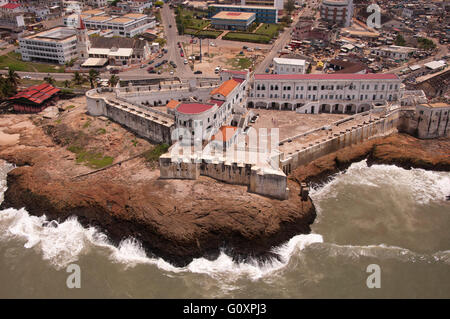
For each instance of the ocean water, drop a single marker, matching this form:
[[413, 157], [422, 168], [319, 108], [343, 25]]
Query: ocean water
[[397, 219]]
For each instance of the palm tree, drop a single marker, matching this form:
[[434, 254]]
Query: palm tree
[[66, 83], [77, 78], [6, 88], [113, 80], [93, 77], [13, 78], [49, 79]]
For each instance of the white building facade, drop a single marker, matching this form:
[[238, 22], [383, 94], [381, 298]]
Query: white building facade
[[57, 45], [328, 93], [289, 66], [337, 12]]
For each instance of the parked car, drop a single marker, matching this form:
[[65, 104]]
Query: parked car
[[171, 72], [114, 71], [160, 56], [149, 68], [198, 72], [185, 61], [26, 77], [170, 25], [151, 62], [244, 47], [182, 54], [152, 71], [267, 70]]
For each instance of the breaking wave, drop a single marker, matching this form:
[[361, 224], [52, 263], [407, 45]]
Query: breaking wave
[[63, 243]]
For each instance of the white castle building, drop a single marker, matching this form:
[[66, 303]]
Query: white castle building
[[204, 120], [329, 93]]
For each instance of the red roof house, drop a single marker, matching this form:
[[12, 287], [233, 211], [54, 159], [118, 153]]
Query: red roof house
[[35, 98]]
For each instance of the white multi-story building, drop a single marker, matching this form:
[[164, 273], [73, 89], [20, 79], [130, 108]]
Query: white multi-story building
[[205, 120], [289, 66], [128, 25], [57, 45], [329, 93], [338, 12]]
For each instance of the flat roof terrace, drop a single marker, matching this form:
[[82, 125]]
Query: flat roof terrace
[[291, 123], [231, 15]]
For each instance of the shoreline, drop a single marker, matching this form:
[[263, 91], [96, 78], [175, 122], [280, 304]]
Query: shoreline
[[179, 220]]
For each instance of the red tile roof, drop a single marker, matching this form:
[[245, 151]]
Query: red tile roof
[[331, 76], [225, 133], [37, 93], [193, 108], [225, 88], [10, 6]]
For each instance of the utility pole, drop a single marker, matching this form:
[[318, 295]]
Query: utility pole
[[200, 42]]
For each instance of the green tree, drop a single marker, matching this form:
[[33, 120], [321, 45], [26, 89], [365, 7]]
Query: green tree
[[93, 77], [77, 78], [49, 79], [113, 80], [66, 83], [289, 6], [6, 88], [13, 78], [400, 40]]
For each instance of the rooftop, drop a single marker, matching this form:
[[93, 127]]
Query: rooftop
[[172, 104], [193, 108], [289, 61], [121, 20], [332, 76], [11, 6], [225, 88], [225, 133], [231, 15], [135, 15], [99, 18], [37, 93]]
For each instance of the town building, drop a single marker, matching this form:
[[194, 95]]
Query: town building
[[204, 120], [57, 45], [278, 4], [314, 93], [229, 20], [289, 66], [34, 99], [394, 52], [338, 12], [306, 30], [128, 25], [263, 14], [119, 51]]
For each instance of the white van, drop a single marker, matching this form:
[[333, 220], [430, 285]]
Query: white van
[[217, 70]]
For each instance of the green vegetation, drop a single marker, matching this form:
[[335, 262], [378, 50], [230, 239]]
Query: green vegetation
[[90, 158], [246, 37], [87, 124], [113, 80], [93, 77], [426, 44], [157, 15], [70, 107], [289, 6], [154, 154], [400, 40], [269, 29], [161, 41], [211, 34], [13, 61], [187, 19], [241, 63], [101, 131]]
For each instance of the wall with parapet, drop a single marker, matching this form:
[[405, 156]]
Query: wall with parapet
[[154, 126], [384, 126]]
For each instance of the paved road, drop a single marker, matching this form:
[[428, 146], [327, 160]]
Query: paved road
[[281, 41]]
